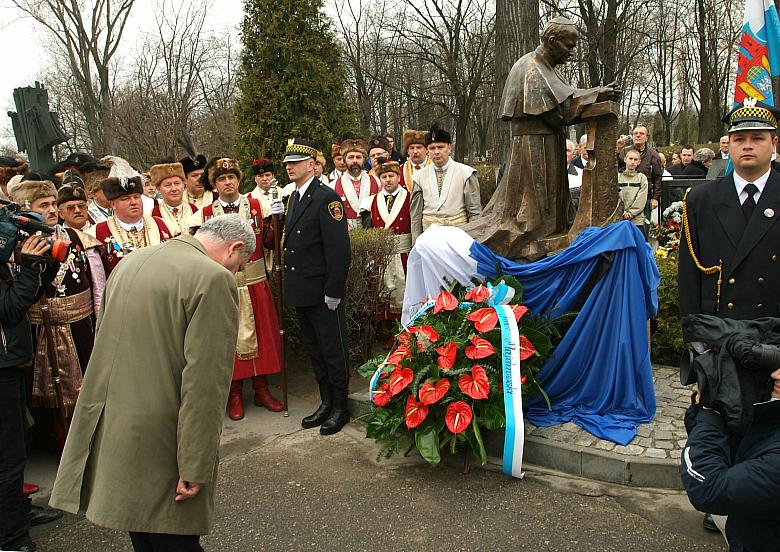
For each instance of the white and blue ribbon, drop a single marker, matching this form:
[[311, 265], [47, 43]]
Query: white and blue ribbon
[[514, 436], [375, 378]]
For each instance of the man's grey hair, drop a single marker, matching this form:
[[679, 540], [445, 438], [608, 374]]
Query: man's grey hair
[[583, 139], [230, 228], [703, 155], [570, 145]]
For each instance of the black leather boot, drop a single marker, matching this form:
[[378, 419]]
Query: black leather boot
[[339, 417], [322, 413]]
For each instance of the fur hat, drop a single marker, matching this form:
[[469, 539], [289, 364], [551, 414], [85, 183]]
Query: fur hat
[[352, 144], [261, 166], [378, 142], [160, 172], [335, 149], [437, 134], [320, 158], [71, 193], [387, 165], [115, 187], [189, 165], [10, 167], [30, 190], [414, 137], [94, 174], [224, 165]]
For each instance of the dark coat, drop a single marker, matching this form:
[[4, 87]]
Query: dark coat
[[676, 170], [18, 292], [695, 169], [316, 252], [738, 479], [750, 252]]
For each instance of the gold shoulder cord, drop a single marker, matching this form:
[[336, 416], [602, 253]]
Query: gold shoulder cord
[[706, 270]]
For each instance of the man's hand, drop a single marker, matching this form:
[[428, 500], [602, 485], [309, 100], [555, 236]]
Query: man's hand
[[186, 490], [332, 302], [654, 204], [35, 245], [609, 92], [277, 207]]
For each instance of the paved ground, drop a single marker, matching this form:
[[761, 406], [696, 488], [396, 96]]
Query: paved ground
[[282, 488]]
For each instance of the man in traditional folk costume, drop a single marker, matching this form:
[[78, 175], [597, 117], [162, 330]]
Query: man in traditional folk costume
[[258, 351], [194, 191], [390, 209], [445, 192], [72, 202], [356, 186], [178, 215], [416, 157], [128, 228], [263, 169], [339, 167], [98, 208], [73, 302], [378, 148]]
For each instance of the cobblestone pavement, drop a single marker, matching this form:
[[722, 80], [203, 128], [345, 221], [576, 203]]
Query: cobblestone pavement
[[663, 438]]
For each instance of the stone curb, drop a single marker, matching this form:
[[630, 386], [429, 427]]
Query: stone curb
[[572, 459]]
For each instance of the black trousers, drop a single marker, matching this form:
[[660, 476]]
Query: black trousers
[[324, 334], [14, 507], [162, 542]]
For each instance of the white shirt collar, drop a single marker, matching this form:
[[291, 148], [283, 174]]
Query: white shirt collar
[[395, 193], [226, 203], [139, 225], [740, 183], [444, 167], [304, 187]]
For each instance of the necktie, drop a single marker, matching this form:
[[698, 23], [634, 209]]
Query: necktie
[[293, 204], [175, 211], [133, 229], [439, 178], [390, 199], [749, 204], [232, 206]]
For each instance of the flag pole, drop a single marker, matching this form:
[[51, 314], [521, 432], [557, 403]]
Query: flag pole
[[277, 272]]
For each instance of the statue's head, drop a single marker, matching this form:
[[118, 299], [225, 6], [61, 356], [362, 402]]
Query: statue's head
[[559, 37]]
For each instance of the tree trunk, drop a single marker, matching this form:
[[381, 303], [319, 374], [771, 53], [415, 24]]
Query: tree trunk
[[516, 34]]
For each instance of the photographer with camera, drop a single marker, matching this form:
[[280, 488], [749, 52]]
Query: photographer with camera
[[731, 462], [21, 284]]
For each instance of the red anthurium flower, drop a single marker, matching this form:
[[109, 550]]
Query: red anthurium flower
[[398, 355], [458, 416], [476, 385], [399, 379], [523, 379], [445, 301], [382, 395], [480, 348], [484, 319], [519, 311], [430, 393], [477, 294], [429, 332], [447, 354], [416, 412], [527, 348], [405, 337]]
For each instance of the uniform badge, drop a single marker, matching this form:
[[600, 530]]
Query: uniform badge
[[336, 210], [769, 213]]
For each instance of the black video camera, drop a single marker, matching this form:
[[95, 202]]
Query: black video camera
[[17, 225]]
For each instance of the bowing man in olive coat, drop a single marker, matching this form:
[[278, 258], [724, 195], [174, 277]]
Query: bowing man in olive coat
[[142, 451]]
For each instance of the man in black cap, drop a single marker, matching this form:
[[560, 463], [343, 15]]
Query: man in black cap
[[263, 169], [729, 264], [316, 258], [194, 192]]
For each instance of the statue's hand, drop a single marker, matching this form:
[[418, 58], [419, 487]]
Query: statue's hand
[[609, 92]]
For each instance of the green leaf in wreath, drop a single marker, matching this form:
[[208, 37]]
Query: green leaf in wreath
[[540, 341], [426, 438], [491, 414], [367, 369], [383, 423], [474, 439]]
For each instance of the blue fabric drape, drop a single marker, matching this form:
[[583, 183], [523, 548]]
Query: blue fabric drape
[[599, 376]]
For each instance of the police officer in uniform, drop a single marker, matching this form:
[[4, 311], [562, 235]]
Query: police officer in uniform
[[729, 263], [316, 256]]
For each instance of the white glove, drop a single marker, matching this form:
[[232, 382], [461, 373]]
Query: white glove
[[277, 207], [332, 302]]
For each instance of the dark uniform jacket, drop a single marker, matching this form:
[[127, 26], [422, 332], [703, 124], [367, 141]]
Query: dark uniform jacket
[[316, 251], [750, 252], [738, 479]]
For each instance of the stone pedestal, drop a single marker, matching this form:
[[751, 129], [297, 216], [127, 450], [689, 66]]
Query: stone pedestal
[[599, 192]]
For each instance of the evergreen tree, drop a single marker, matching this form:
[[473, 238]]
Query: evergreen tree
[[292, 82]]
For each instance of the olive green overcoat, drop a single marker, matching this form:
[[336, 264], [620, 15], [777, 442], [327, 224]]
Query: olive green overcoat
[[151, 407]]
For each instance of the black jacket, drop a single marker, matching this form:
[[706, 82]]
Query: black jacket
[[695, 169], [18, 292], [316, 252], [750, 252], [737, 478]]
